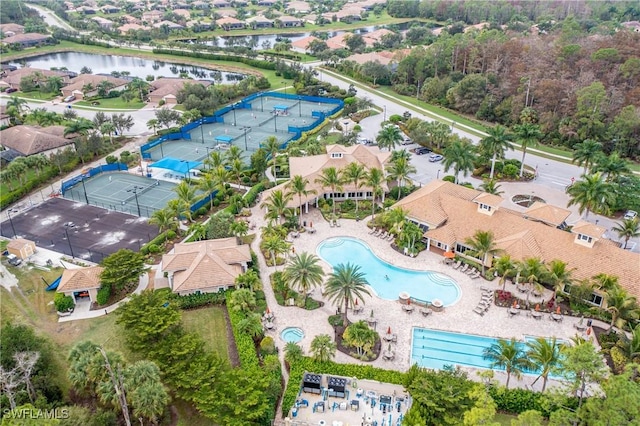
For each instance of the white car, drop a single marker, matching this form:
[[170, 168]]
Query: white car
[[631, 214]]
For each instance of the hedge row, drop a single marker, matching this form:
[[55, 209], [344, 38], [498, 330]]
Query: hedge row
[[252, 194], [169, 234], [244, 342], [257, 63], [193, 301], [10, 197], [345, 370]]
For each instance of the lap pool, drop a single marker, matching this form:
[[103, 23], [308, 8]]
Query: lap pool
[[436, 349], [388, 280]]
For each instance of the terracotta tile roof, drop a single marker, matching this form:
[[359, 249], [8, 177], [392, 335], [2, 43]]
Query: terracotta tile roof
[[450, 209], [303, 43], [20, 38], [489, 199], [80, 279], [30, 140], [311, 168], [19, 243], [13, 78], [77, 83], [206, 264], [546, 213]]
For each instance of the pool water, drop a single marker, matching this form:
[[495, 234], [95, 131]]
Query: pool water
[[387, 280], [292, 334], [435, 349]]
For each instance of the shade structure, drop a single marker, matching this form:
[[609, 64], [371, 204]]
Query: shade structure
[[180, 166], [449, 254]]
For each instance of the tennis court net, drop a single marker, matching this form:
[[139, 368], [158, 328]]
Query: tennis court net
[[137, 192]]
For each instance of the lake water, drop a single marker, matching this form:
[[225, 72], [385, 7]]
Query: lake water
[[137, 67]]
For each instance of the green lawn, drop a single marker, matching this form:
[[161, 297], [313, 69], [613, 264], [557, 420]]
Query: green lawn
[[36, 95], [113, 103], [210, 324]]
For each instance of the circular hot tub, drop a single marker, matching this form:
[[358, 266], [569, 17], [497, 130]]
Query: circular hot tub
[[292, 334]]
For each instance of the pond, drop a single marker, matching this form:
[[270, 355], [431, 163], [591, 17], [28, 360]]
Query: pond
[[136, 67]]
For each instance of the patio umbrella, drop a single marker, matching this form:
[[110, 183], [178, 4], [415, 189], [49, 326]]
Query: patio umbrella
[[558, 310], [356, 303], [515, 303], [408, 301], [310, 224], [268, 310], [389, 330], [449, 254], [537, 307]]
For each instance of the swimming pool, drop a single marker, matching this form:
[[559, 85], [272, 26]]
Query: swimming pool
[[435, 349], [387, 280]]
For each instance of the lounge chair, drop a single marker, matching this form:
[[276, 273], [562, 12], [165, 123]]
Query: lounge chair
[[376, 232], [373, 231], [384, 235], [480, 311], [464, 267], [337, 224], [457, 264], [391, 237], [476, 276], [483, 288], [487, 298], [471, 271], [331, 224]]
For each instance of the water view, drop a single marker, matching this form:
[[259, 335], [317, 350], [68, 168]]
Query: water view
[[136, 67]]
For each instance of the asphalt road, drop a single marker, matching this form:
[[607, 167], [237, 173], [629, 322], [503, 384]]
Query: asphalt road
[[51, 18]]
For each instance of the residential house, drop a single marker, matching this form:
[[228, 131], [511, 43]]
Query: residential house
[[348, 13], [205, 266], [13, 78], [450, 214], [124, 29], [337, 156], [184, 14], [32, 140], [27, 40], [375, 36], [11, 29], [199, 25], [302, 45], [267, 3], [229, 23], [370, 4], [86, 10], [105, 24], [298, 7], [221, 3], [338, 42], [81, 283], [166, 89], [21, 248], [289, 21], [259, 21], [108, 9], [200, 5], [86, 85], [152, 16], [172, 26], [632, 25], [4, 117]]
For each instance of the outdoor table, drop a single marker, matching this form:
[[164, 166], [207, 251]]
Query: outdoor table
[[390, 337], [536, 314], [556, 317], [407, 308], [357, 309], [269, 325], [371, 321], [514, 311], [388, 354]]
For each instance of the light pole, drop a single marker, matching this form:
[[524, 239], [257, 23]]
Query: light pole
[[299, 106], [202, 129], [135, 194], [186, 173], [275, 122], [11, 223], [261, 102], [84, 188], [384, 119], [234, 113], [246, 148], [285, 87], [66, 233], [208, 148], [438, 175]]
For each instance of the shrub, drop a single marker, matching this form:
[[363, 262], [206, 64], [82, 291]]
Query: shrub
[[103, 295], [153, 248], [111, 159], [619, 359], [268, 346], [63, 303], [510, 171], [170, 234], [199, 300]]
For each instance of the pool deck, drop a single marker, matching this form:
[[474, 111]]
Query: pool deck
[[458, 318]]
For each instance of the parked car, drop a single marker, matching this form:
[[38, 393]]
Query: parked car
[[406, 141], [14, 260], [11, 90], [69, 98], [434, 158], [631, 214], [422, 150]]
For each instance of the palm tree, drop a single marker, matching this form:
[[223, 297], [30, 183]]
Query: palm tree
[[251, 325], [495, 144], [532, 270], [388, 137], [292, 352], [621, 306], [605, 282], [558, 275], [399, 171], [323, 348], [591, 194], [242, 300], [163, 219], [276, 205], [345, 285], [356, 174], [631, 346], [545, 354], [483, 246], [233, 153], [187, 196], [16, 107], [236, 168], [459, 154], [611, 165], [361, 336], [527, 134], [80, 126], [491, 187], [220, 175], [275, 245], [239, 228], [330, 178], [303, 273], [586, 152], [208, 185], [272, 146], [374, 180], [250, 280], [153, 125], [214, 160], [627, 229], [508, 355], [400, 153], [298, 186], [108, 128], [504, 266]]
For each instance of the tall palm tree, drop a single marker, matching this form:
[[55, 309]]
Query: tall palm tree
[[187, 196], [605, 282], [214, 160], [508, 355], [16, 107], [233, 153], [275, 245], [345, 285], [163, 219], [621, 306], [331, 178], [527, 134], [239, 228], [242, 300], [495, 144], [532, 270], [356, 174], [79, 126], [483, 246], [323, 348], [276, 205], [272, 146], [546, 355], [399, 171], [388, 137], [292, 352], [504, 266], [585, 153], [591, 194], [208, 185], [374, 181], [303, 272], [627, 229], [459, 154], [611, 165], [252, 325], [236, 168], [399, 153], [298, 186], [558, 275], [491, 187], [153, 125]]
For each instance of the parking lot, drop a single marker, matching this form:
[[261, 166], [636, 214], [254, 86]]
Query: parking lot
[[78, 230]]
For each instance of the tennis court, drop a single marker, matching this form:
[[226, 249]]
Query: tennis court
[[124, 192], [246, 124]]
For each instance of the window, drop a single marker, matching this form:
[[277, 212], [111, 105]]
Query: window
[[336, 155], [585, 238], [485, 207], [595, 299]]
